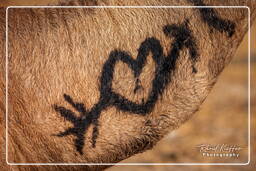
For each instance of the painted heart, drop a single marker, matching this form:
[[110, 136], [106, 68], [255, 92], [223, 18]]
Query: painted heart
[[164, 66], [162, 77]]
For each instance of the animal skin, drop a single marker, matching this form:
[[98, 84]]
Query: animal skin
[[100, 85]]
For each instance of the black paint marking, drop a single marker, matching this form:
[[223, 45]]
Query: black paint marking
[[164, 66], [212, 19], [137, 86]]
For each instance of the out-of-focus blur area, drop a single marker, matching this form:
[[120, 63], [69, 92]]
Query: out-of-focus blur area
[[221, 121]]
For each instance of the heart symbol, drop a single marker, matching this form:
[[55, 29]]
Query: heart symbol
[[164, 67]]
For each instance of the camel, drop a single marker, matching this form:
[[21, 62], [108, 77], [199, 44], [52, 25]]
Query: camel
[[98, 85]]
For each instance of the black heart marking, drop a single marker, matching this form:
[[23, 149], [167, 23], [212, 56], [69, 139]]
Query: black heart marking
[[164, 66]]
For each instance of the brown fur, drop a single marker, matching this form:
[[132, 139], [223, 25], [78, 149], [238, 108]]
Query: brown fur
[[56, 51]]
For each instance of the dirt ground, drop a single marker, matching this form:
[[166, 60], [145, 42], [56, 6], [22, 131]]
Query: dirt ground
[[222, 119]]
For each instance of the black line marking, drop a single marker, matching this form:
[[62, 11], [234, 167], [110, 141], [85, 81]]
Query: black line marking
[[137, 86], [212, 19], [164, 66]]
